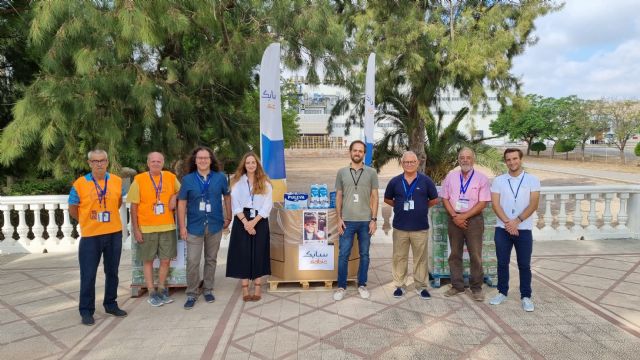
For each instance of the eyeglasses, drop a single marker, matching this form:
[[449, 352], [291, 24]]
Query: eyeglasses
[[203, 158], [413, 162], [103, 161]]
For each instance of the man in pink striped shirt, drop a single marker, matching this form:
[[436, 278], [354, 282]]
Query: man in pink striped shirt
[[465, 194]]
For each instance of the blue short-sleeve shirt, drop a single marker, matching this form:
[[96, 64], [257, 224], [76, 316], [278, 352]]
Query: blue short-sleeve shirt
[[191, 191], [418, 217]]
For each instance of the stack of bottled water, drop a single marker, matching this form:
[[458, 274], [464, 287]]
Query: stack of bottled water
[[319, 197]]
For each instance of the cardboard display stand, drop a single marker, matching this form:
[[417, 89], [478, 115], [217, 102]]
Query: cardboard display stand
[[294, 259]]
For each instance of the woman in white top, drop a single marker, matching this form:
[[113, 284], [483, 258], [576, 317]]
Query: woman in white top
[[248, 257]]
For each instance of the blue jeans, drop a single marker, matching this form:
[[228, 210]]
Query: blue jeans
[[524, 246], [90, 250], [346, 243]]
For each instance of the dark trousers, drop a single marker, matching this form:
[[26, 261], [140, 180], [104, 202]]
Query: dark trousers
[[472, 237], [90, 250], [524, 247]]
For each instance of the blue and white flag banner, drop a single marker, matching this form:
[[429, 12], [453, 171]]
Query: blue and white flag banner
[[369, 107]]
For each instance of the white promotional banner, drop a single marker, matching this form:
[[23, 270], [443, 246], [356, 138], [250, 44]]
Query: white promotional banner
[[369, 107], [271, 137], [315, 257]]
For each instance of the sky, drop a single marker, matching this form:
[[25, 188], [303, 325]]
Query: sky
[[589, 48]]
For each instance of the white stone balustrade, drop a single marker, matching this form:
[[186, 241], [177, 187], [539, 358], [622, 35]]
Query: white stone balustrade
[[612, 212]]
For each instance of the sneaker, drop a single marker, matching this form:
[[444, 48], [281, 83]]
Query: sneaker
[[191, 301], [527, 304], [424, 294], [339, 294], [208, 297], [498, 299], [453, 292], [88, 320], [399, 293], [164, 296], [364, 293], [117, 312], [154, 299], [477, 295]]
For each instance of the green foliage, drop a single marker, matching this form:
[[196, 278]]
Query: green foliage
[[133, 77], [636, 150], [565, 145], [39, 187], [538, 146]]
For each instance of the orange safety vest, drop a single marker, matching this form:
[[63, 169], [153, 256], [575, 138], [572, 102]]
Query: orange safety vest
[[89, 206], [146, 215]]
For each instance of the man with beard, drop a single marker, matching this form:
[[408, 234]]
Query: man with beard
[[411, 194], [514, 197], [465, 194], [357, 209]]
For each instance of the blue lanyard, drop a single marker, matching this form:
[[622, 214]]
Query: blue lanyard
[[515, 194], [204, 186], [250, 193], [412, 188], [102, 193], [464, 187], [158, 188]]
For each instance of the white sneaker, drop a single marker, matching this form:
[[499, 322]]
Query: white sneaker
[[364, 293], [527, 304], [498, 299], [339, 294]]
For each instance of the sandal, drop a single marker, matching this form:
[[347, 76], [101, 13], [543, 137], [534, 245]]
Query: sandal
[[256, 285], [247, 297]]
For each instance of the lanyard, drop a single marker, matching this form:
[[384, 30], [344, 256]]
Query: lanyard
[[102, 193], [204, 185], [515, 194], [464, 187], [250, 193], [355, 182], [158, 188], [412, 187]]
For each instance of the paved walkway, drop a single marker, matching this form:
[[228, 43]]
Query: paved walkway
[[587, 296]]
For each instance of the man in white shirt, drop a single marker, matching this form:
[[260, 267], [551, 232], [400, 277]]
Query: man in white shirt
[[514, 197]]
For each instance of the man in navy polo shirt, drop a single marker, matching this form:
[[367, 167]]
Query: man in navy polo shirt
[[411, 194], [200, 199]]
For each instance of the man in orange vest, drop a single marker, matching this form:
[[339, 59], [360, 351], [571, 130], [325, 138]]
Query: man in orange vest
[[153, 200], [94, 201]]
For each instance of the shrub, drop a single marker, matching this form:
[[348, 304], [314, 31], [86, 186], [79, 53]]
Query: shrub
[[538, 146], [637, 149], [39, 187]]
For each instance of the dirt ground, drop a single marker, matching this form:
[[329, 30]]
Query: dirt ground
[[306, 167]]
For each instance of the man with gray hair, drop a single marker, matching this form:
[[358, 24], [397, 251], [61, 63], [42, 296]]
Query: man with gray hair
[[465, 194], [411, 194], [94, 201]]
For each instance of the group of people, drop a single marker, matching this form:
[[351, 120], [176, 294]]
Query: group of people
[[465, 193], [206, 203]]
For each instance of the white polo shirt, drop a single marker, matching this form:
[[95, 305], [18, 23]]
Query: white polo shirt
[[515, 195]]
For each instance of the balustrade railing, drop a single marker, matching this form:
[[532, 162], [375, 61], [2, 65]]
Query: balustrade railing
[[34, 224]]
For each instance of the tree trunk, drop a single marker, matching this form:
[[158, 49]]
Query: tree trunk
[[582, 146], [416, 143], [623, 158]]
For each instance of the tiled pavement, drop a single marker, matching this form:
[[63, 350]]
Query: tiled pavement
[[587, 297]]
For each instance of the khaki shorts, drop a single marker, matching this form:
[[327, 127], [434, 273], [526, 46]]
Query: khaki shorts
[[163, 244]]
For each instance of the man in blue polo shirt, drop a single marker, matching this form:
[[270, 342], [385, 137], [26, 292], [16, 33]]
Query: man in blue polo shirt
[[411, 194], [200, 199]]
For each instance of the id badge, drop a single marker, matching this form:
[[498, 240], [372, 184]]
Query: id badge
[[208, 208], [202, 206], [105, 216], [158, 209], [355, 198], [412, 205], [462, 204], [406, 206], [252, 213]]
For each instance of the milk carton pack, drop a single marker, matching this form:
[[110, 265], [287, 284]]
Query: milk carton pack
[[323, 195], [295, 200], [314, 197]]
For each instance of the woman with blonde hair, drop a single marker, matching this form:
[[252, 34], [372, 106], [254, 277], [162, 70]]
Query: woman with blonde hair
[[248, 257]]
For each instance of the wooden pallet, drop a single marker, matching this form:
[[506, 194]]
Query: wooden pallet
[[280, 285]]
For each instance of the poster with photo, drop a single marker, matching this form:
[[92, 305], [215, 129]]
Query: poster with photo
[[315, 257], [314, 227]]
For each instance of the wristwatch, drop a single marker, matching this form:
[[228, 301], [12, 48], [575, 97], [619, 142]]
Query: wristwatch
[[374, 219]]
